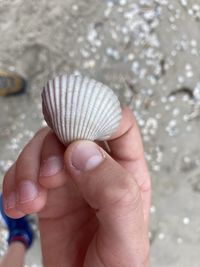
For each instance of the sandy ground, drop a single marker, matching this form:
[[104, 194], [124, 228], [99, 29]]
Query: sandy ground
[[148, 51]]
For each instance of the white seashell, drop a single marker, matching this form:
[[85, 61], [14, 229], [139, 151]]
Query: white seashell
[[77, 107]]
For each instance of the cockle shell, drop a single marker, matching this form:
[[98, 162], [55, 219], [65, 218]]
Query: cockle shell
[[77, 107]]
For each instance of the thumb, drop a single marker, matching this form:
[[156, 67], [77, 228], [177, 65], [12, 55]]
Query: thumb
[[115, 197]]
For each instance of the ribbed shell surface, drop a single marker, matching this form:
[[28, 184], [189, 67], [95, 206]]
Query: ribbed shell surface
[[77, 107]]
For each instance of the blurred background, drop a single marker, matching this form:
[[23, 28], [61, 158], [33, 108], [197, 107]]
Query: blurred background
[[148, 51]]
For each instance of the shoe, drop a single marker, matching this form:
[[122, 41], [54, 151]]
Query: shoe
[[11, 83], [19, 229]]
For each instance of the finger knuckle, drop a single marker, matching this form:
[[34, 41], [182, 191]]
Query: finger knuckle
[[5, 184], [23, 163], [130, 199], [131, 190], [124, 194], [23, 157], [7, 180]]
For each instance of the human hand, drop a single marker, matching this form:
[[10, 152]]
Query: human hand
[[92, 207]]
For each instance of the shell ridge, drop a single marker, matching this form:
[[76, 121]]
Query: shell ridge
[[65, 105], [104, 119], [51, 105], [56, 97], [80, 108], [77, 118], [67, 113], [45, 110], [64, 86], [111, 125], [90, 109], [86, 119], [80, 117], [48, 109], [102, 115], [55, 86], [95, 96], [73, 106], [61, 108], [77, 107], [109, 110], [101, 95], [111, 115], [70, 103], [85, 105]]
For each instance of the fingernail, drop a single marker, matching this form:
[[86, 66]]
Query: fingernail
[[27, 191], [10, 201], [51, 166], [86, 156]]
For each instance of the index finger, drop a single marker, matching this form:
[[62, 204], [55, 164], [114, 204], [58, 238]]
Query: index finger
[[127, 148]]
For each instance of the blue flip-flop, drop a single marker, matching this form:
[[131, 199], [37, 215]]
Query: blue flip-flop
[[19, 229]]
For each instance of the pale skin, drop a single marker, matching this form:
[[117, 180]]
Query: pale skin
[[15, 255], [93, 207]]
